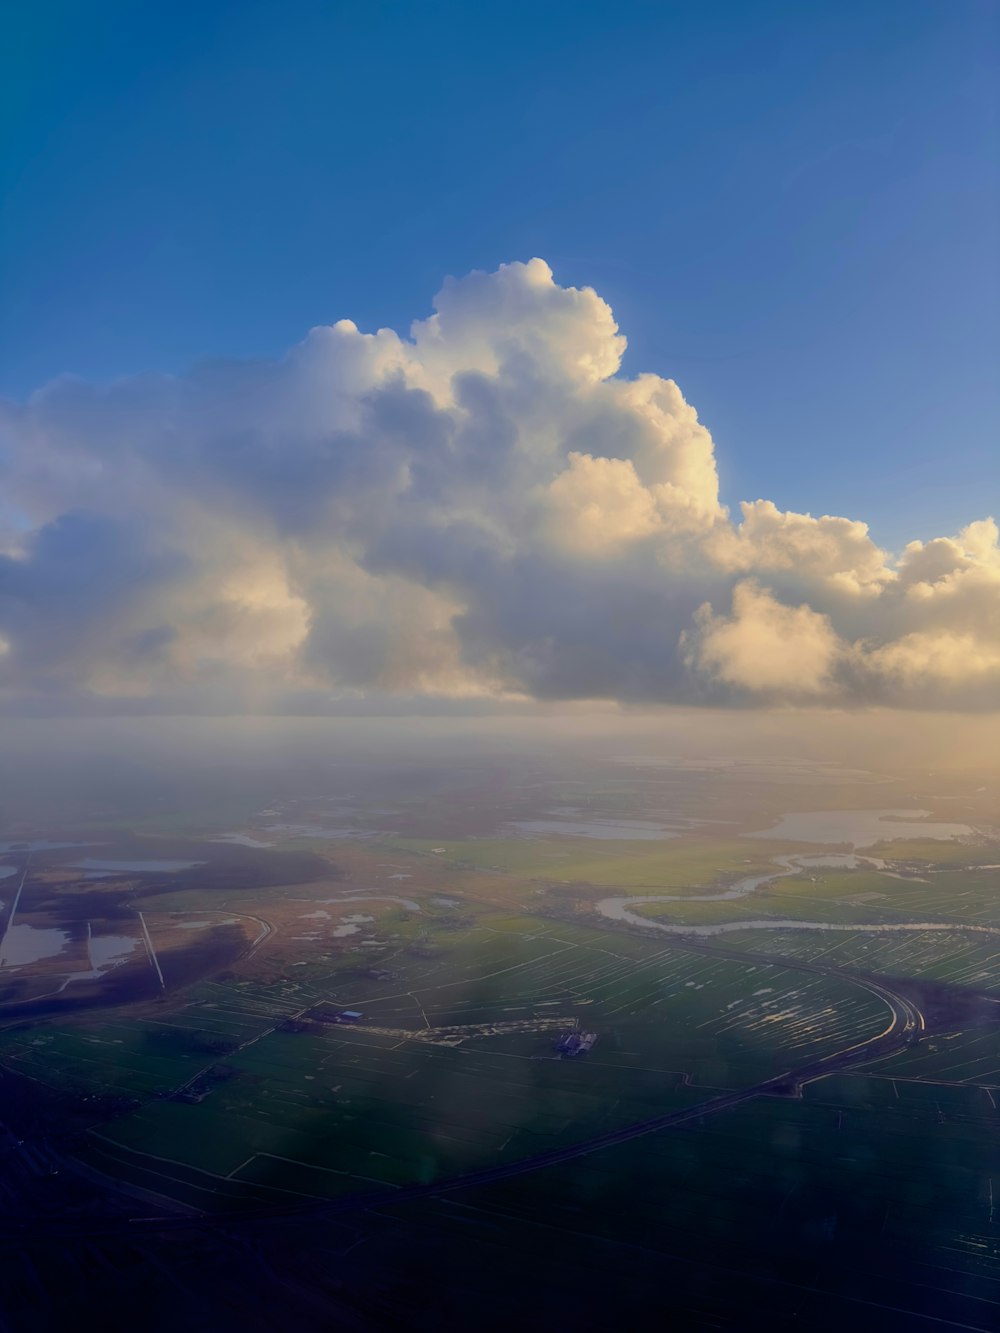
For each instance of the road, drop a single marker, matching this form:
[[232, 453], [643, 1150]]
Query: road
[[154, 961], [14, 905], [905, 1026]]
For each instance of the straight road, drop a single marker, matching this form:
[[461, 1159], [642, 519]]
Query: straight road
[[904, 1028], [13, 907]]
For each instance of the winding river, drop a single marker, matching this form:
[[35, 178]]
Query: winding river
[[617, 909]]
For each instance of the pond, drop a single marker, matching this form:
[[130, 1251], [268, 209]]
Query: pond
[[27, 944], [351, 925]]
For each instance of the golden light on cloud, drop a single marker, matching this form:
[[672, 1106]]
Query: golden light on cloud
[[487, 508]]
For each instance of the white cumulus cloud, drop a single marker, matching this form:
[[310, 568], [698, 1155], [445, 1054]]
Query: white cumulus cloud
[[485, 508]]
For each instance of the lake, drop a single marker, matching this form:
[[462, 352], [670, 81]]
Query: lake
[[620, 830], [859, 828]]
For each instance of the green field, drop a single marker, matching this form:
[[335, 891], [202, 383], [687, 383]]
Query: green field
[[689, 861], [958, 959], [866, 897], [235, 1092], [338, 1109], [846, 1209]]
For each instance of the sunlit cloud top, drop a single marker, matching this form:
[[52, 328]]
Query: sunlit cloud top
[[485, 509]]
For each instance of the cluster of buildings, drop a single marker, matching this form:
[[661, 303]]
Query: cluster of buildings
[[575, 1043], [316, 1019]]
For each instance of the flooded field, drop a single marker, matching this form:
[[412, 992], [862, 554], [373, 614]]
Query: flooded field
[[351, 925]]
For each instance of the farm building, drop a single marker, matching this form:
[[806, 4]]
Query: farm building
[[575, 1043]]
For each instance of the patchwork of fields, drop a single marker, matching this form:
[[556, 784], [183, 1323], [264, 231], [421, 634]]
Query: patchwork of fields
[[331, 1110], [828, 1092], [840, 1210], [946, 955]]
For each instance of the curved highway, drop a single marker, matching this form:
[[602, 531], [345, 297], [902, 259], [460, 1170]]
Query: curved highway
[[905, 1026]]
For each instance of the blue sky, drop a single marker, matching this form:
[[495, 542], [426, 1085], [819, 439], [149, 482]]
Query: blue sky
[[792, 208]]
